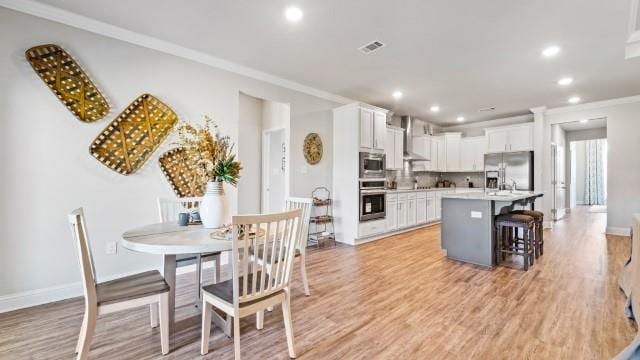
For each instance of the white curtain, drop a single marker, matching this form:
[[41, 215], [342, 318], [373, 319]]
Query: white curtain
[[595, 192]]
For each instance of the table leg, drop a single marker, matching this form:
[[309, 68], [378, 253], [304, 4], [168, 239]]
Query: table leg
[[170, 278]]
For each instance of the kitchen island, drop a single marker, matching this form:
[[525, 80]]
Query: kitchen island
[[467, 222]]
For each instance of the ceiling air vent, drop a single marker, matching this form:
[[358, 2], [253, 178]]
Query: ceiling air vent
[[371, 47], [492, 108]]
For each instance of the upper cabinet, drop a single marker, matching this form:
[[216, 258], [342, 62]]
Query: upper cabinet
[[394, 148], [472, 150], [452, 151], [373, 129], [422, 146], [510, 138]]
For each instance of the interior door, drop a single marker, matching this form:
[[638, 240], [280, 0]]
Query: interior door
[[274, 164]]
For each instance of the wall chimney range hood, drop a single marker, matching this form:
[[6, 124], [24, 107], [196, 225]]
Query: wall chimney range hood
[[408, 124]]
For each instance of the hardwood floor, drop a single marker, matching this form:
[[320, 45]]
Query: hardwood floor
[[397, 298]]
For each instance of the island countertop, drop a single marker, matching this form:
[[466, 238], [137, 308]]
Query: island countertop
[[494, 195]]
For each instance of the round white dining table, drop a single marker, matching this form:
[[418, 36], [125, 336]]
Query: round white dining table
[[170, 239]]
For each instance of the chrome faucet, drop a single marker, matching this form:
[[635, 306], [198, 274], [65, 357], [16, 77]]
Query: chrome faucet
[[513, 185]]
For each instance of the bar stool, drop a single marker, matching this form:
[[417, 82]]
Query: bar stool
[[538, 218], [507, 226]]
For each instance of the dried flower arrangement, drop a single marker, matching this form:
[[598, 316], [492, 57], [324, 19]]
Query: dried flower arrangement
[[208, 153]]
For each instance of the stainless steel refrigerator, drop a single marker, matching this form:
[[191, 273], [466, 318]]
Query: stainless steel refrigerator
[[509, 167]]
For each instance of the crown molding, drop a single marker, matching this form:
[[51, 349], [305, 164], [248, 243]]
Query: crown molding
[[58, 15], [594, 105], [538, 110]]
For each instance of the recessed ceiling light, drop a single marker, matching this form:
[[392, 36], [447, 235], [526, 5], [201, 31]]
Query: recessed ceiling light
[[460, 118], [434, 108], [397, 94], [574, 100], [293, 14], [584, 121], [565, 81], [551, 51]]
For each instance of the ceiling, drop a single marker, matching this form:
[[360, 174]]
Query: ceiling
[[461, 55], [578, 125]]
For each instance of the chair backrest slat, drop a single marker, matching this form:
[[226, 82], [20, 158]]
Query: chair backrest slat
[[304, 204], [81, 237], [168, 209], [265, 244]]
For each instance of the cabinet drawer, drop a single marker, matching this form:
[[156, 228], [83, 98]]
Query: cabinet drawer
[[371, 228], [412, 196], [402, 197], [431, 195], [421, 195], [392, 197]]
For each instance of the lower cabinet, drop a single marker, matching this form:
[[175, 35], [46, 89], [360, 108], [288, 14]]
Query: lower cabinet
[[402, 210], [431, 207], [421, 208], [411, 210], [392, 212], [438, 204]]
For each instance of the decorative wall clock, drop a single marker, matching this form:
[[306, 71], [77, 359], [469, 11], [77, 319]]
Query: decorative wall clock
[[131, 138], [68, 81], [312, 148], [183, 180]]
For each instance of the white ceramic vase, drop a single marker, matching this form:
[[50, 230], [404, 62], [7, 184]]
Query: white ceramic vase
[[214, 208]]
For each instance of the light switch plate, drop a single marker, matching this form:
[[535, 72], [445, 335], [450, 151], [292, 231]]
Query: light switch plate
[[112, 248], [476, 214]]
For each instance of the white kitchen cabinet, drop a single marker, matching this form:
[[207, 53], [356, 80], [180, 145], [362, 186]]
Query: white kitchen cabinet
[[452, 151], [510, 138], [394, 147], [392, 212], [373, 129], [472, 152], [366, 128], [442, 158], [379, 130], [421, 208], [411, 209], [422, 146], [431, 207], [521, 138], [402, 211]]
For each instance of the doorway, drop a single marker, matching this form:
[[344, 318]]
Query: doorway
[[587, 165]]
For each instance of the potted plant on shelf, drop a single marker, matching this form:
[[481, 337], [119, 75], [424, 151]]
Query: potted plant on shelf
[[211, 157]]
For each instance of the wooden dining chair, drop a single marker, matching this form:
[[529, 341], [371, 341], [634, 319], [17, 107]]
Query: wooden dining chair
[[147, 288], [168, 210], [304, 204], [257, 241]]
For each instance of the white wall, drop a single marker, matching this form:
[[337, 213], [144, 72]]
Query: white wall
[[249, 153], [47, 170], [623, 129]]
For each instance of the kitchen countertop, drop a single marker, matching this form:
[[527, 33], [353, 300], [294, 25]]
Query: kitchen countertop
[[432, 189], [503, 195]]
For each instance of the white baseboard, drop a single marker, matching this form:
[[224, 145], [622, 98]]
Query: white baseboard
[[51, 294], [619, 231], [31, 298]]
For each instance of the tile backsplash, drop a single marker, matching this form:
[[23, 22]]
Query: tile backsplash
[[406, 177]]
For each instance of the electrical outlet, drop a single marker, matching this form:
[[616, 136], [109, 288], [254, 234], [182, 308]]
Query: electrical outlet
[[476, 214], [112, 248]]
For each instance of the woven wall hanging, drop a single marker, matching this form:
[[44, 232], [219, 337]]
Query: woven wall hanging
[[131, 138], [68, 81], [182, 179]]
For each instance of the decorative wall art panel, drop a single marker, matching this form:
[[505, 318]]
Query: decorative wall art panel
[[68, 81], [182, 178], [131, 138]]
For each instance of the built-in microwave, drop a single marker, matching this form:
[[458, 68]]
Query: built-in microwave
[[371, 165], [372, 200]]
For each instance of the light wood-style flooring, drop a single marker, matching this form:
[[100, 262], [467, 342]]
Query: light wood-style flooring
[[397, 298]]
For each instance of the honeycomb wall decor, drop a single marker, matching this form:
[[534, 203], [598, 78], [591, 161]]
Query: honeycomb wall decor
[[131, 138], [180, 176], [62, 74]]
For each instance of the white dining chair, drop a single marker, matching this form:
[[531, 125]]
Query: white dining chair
[[304, 204], [147, 288], [256, 241], [168, 210]]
